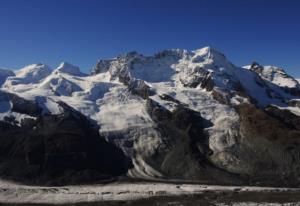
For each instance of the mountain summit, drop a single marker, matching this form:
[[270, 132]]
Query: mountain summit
[[180, 115], [70, 69]]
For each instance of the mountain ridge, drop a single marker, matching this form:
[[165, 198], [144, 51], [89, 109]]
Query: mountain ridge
[[186, 115]]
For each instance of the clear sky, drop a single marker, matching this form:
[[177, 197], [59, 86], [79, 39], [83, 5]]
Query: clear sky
[[83, 31]]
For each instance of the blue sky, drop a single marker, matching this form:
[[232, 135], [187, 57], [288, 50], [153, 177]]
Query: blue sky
[[83, 31]]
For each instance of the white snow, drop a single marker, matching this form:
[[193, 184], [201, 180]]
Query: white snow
[[29, 75], [257, 91], [70, 69], [120, 110], [217, 60], [278, 76]]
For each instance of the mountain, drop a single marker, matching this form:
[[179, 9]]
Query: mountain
[[70, 69], [176, 115]]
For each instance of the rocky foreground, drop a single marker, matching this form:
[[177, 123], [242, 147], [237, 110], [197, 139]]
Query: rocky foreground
[[147, 193]]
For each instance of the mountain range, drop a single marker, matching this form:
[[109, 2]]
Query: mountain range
[[175, 116]]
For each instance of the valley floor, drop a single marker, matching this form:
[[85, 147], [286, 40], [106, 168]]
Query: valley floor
[[146, 193]]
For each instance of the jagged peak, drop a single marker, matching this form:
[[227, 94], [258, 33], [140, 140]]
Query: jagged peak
[[260, 68], [213, 60], [204, 53], [208, 52], [170, 52], [30, 74], [131, 54], [64, 65], [275, 75]]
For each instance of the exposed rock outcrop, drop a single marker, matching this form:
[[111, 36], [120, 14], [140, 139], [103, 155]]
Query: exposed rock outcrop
[[184, 152]]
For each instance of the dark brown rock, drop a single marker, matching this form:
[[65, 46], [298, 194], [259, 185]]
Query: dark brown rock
[[58, 144], [139, 87]]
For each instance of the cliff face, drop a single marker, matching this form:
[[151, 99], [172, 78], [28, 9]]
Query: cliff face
[[180, 115]]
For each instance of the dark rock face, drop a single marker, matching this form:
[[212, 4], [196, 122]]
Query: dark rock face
[[135, 86], [292, 91], [199, 76], [294, 103], [286, 117], [268, 146], [266, 151], [208, 83], [139, 87], [21, 105], [24, 106], [100, 67], [256, 67], [58, 149], [223, 99], [185, 154]]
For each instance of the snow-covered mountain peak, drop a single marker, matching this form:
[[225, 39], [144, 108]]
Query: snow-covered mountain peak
[[167, 65], [30, 74], [204, 68], [34, 70], [209, 53], [205, 51], [70, 69], [275, 75], [215, 60]]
